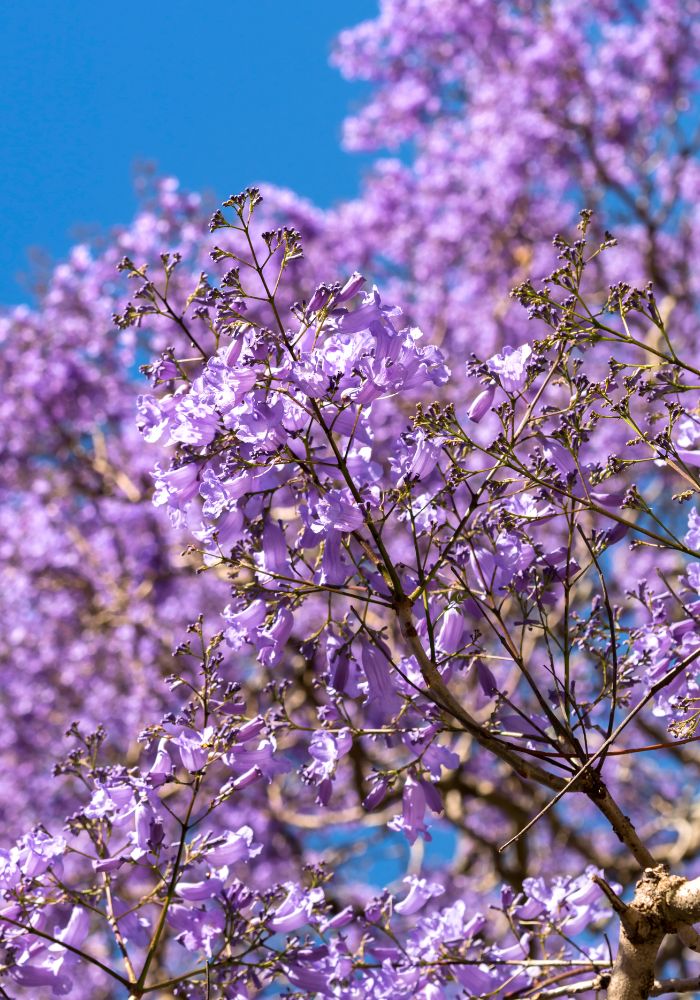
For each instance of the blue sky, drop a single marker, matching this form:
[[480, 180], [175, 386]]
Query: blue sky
[[220, 94]]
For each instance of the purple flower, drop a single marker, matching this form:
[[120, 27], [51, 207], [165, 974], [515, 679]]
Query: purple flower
[[250, 730], [149, 831], [692, 574], [556, 455], [10, 873], [692, 537], [376, 794], [419, 892], [243, 624], [263, 758], [449, 638], [135, 927], [351, 287], [334, 569], [272, 638], [162, 767], [494, 569], [338, 511], [176, 487], [153, 416], [422, 458], [327, 748], [487, 682], [570, 903], [194, 747], [381, 693], [371, 311], [220, 496], [312, 979], [38, 851], [688, 439], [197, 929], [273, 561], [482, 404], [412, 820], [196, 892], [511, 366], [195, 421], [26, 974], [435, 757], [484, 980], [112, 864], [296, 909], [319, 299], [75, 931], [236, 846]]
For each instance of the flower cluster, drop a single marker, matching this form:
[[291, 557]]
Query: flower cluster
[[454, 571], [149, 861]]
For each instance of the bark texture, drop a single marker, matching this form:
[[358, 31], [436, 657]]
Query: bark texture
[[663, 904]]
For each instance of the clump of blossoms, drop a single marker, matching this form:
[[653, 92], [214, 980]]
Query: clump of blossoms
[[509, 118], [152, 889], [411, 615], [517, 115]]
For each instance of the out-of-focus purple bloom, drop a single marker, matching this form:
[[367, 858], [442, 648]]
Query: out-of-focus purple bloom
[[28, 975], [693, 576], [688, 439], [487, 682], [692, 537], [75, 931]]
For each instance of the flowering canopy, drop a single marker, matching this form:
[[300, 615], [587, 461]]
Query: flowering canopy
[[446, 551]]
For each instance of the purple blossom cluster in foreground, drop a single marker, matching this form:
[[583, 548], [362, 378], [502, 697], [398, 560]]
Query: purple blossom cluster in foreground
[[127, 834], [427, 553], [397, 598]]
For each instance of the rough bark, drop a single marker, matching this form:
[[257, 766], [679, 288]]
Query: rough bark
[[663, 904]]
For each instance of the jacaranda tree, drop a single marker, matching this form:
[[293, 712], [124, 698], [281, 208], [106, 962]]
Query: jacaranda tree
[[426, 552]]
